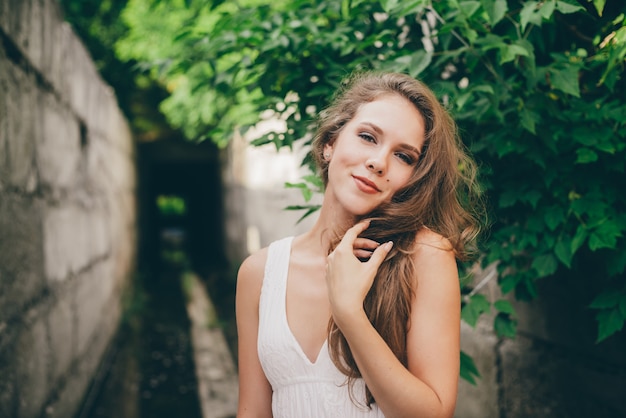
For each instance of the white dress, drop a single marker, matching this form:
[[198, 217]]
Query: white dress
[[301, 389]]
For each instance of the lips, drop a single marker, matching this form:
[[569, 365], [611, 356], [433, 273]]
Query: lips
[[365, 185]]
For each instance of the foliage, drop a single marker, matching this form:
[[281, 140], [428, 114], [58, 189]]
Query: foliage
[[98, 24], [537, 88]]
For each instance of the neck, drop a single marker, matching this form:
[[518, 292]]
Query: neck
[[331, 224]]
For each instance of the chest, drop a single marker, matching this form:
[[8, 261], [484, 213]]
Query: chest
[[307, 307]]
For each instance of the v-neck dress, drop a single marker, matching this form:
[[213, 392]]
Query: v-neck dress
[[301, 388]]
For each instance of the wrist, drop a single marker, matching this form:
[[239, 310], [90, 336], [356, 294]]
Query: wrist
[[350, 318]]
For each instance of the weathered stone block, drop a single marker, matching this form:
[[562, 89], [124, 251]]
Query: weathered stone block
[[69, 396], [62, 338], [34, 44], [31, 358], [479, 401], [16, 23], [120, 134], [4, 123], [22, 122], [56, 32], [94, 293], [8, 396], [66, 248], [119, 169], [21, 266], [541, 380], [58, 151], [4, 15], [83, 78], [73, 237]]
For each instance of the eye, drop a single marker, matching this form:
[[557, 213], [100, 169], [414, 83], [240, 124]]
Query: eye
[[406, 158], [367, 137]]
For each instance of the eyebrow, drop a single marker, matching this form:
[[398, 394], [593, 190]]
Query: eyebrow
[[403, 145]]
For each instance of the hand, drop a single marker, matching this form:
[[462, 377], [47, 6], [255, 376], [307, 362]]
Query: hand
[[349, 279], [364, 247]]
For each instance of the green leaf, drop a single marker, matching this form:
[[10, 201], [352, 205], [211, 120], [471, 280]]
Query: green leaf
[[610, 321], [307, 193], [566, 7], [579, 239], [310, 209], [566, 80], [554, 216], [528, 119], [509, 283], [547, 9], [599, 5], [474, 307], [616, 264], [545, 265], [508, 198], [496, 10], [314, 180], [504, 306], [468, 8], [563, 251], [405, 7], [389, 5], [510, 52], [529, 14], [420, 60], [504, 326], [605, 235], [607, 299], [468, 368], [586, 156]]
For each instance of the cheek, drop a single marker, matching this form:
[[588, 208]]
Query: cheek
[[401, 179]]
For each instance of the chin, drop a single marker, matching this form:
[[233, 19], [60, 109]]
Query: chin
[[359, 210]]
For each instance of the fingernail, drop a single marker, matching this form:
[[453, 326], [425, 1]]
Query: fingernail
[[388, 245]]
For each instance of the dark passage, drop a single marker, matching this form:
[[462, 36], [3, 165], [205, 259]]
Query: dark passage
[[149, 371]]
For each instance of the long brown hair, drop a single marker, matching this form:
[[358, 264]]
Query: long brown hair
[[442, 195]]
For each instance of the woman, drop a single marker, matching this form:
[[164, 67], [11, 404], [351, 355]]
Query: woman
[[360, 316]]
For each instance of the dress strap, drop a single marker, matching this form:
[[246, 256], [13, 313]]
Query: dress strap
[[277, 263]]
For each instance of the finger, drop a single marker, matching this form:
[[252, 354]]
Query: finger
[[365, 244], [380, 253], [352, 233], [363, 254]]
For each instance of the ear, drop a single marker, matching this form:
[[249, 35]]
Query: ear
[[328, 152]]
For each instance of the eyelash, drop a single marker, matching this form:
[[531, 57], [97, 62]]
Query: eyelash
[[367, 137], [406, 158]]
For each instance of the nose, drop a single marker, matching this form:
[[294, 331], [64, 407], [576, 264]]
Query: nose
[[376, 164]]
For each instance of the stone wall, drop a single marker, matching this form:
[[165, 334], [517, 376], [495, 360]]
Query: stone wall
[[255, 197], [553, 368], [67, 213]]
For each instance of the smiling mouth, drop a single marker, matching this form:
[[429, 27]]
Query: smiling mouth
[[366, 185]]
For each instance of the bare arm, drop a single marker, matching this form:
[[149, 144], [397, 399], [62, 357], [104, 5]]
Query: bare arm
[[428, 388], [255, 392]]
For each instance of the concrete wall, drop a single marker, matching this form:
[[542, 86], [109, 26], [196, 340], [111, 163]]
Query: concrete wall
[[553, 368], [67, 213], [255, 196]]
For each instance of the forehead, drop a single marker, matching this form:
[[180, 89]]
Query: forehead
[[395, 116]]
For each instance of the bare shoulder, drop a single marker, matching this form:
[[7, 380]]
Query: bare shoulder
[[428, 243], [434, 257], [254, 264], [251, 271]]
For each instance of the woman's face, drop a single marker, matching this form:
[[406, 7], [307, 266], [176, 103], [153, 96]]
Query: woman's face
[[375, 154]]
